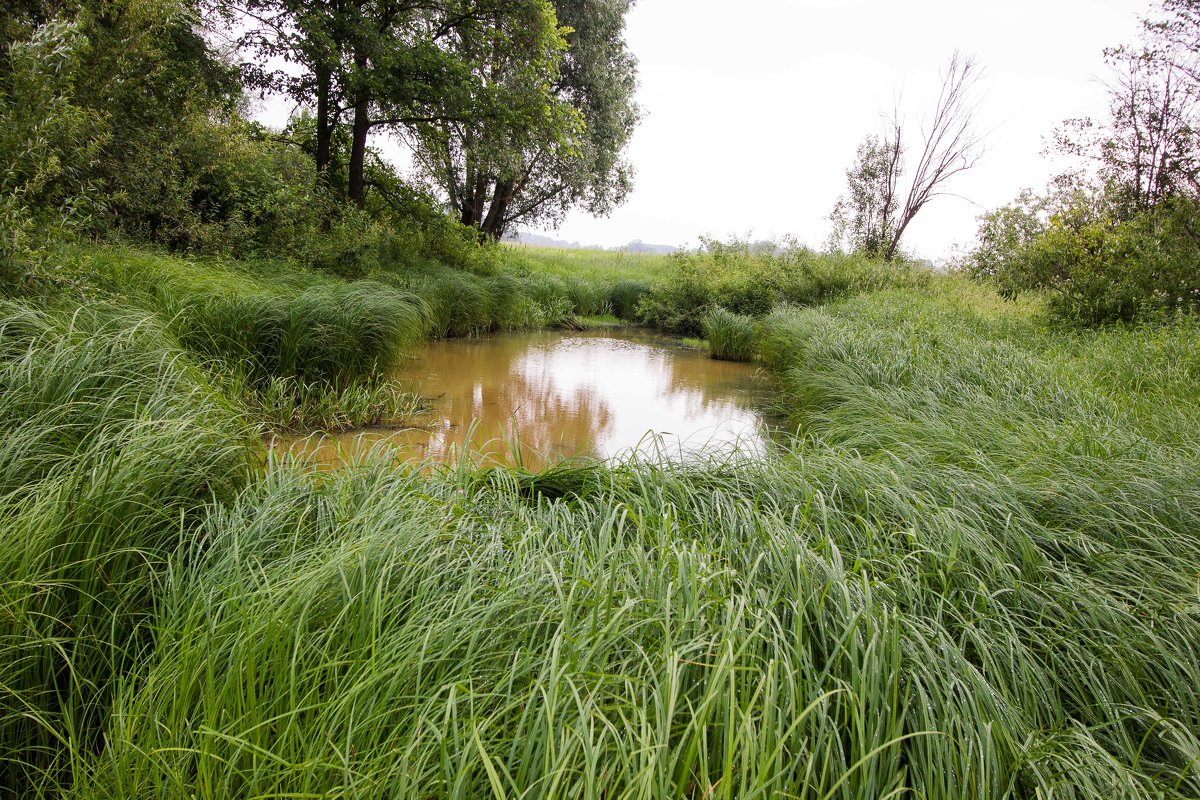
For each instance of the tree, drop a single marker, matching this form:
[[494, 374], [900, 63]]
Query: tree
[[1148, 150], [866, 219], [494, 172], [392, 64], [875, 216]]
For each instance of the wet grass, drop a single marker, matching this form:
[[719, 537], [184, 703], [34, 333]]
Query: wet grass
[[972, 575], [267, 321], [285, 405], [731, 337]]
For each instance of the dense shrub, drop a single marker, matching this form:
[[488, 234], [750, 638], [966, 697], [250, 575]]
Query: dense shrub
[[751, 280], [1096, 268], [47, 141]]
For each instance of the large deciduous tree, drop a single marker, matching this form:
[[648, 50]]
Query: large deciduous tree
[[877, 211], [372, 64], [496, 171]]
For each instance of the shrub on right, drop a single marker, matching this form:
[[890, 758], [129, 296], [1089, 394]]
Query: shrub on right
[[1096, 266]]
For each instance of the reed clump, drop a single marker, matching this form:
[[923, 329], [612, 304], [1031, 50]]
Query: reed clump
[[286, 405], [271, 320], [731, 337]]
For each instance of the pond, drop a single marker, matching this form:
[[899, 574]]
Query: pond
[[537, 398]]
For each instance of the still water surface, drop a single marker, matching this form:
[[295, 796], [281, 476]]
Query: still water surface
[[541, 397]]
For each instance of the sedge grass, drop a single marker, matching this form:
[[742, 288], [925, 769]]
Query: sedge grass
[[112, 447], [286, 405], [972, 575], [731, 337]]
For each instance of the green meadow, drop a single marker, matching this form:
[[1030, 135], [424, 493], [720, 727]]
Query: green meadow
[[972, 572]]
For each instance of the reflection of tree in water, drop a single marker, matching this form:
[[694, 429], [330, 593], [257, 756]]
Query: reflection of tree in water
[[507, 386], [584, 394]]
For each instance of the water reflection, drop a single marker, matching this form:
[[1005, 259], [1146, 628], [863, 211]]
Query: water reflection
[[537, 398]]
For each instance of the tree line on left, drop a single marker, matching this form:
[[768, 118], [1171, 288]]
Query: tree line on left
[[128, 119]]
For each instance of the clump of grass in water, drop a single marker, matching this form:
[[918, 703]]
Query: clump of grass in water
[[624, 295], [731, 337]]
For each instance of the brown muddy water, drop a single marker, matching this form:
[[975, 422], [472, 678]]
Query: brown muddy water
[[537, 398]]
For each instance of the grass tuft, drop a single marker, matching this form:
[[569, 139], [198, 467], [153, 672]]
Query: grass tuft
[[731, 337]]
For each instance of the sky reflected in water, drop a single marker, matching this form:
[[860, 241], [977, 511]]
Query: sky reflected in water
[[545, 396]]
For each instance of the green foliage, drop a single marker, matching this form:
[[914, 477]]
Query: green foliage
[[625, 296], [731, 337], [752, 279], [462, 304], [602, 281], [111, 447], [867, 220], [553, 133], [225, 187], [47, 146], [1096, 269], [1004, 237]]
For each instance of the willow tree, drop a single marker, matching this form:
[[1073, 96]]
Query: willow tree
[[497, 170], [367, 65]]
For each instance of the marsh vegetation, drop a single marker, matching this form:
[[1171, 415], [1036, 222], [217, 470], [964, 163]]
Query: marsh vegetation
[[969, 570]]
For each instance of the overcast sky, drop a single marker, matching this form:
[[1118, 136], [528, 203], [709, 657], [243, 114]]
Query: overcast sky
[[753, 110]]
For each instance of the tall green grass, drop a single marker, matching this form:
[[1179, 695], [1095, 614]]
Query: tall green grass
[[731, 337], [112, 446], [818, 625], [286, 405], [752, 280], [595, 266], [972, 575], [273, 321]]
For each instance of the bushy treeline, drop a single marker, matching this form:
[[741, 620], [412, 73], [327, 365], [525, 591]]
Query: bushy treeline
[[1119, 240], [120, 121], [1095, 264]]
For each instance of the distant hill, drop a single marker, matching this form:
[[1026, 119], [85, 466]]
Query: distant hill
[[636, 246]]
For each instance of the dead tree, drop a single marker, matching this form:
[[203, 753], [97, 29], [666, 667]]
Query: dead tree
[[950, 144]]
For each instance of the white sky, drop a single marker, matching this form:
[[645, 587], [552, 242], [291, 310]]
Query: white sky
[[754, 109]]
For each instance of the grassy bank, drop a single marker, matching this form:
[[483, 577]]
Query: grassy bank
[[973, 575]]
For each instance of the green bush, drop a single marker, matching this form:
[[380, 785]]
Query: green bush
[[752, 279], [1096, 268], [47, 142]]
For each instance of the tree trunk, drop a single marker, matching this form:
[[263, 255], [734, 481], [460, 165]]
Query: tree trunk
[[324, 126], [493, 225], [358, 153]]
